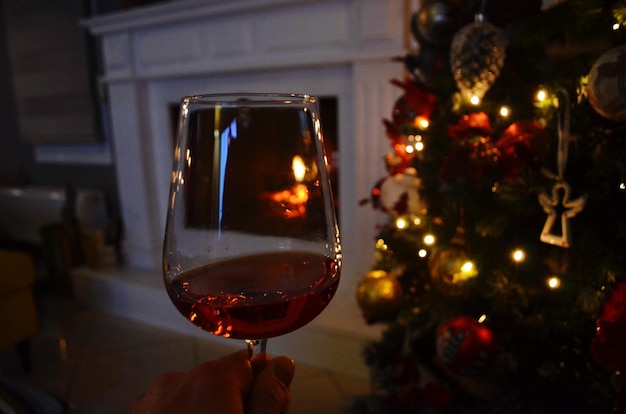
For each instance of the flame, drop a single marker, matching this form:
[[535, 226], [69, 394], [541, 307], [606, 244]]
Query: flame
[[299, 169]]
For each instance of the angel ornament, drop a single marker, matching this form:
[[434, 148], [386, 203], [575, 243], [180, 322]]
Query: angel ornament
[[559, 204]]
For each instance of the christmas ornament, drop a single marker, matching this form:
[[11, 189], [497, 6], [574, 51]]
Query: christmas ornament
[[561, 190], [411, 113], [450, 267], [414, 103], [520, 145], [436, 21], [379, 296], [559, 197], [465, 346], [399, 194], [475, 152], [477, 56], [608, 347], [606, 88]]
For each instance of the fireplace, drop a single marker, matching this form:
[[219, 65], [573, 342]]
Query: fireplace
[[152, 56]]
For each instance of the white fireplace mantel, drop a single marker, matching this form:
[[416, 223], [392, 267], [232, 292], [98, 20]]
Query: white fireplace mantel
[[152, 56]]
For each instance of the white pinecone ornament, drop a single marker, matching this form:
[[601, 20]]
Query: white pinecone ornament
[[477, 56]]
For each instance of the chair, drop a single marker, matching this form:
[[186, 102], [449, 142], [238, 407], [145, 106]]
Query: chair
[[18, 312]]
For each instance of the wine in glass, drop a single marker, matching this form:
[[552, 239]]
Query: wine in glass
[[251, 247]]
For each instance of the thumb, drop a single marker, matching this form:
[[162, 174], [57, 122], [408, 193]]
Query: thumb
[[270, 392]]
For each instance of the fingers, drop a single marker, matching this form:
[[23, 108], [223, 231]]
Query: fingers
[[217, 386], [222, 384], [270, 393], [153, 400]]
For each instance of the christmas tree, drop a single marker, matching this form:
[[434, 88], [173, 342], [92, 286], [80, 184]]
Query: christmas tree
[[500, 276]]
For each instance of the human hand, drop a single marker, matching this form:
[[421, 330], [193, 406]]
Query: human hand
[[233, 384]]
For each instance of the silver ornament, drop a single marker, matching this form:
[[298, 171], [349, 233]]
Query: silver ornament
[[477, 56]]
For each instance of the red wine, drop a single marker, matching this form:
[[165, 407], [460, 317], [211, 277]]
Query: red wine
[[255, 297]]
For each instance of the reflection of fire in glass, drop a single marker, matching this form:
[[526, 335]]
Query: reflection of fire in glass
[[299, 169], [291, 203]]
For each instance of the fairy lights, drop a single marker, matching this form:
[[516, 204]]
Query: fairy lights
[[381, 245], [554, 282], [518, 255], [468, 269], [542, 95], [402, 223], [429, 240], [415, 143], [422, 122]]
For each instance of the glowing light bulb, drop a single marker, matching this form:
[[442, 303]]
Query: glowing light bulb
[[402, 223], [554, 282], [422, 253], [518, 255], [409, 149], [419, 146], [482, 318], [429, 240], [542, 95], [616, 26], [422, 122], [467, 271], [622, 186], [468, 267], [381, 245], [505, 111], [475, 100]]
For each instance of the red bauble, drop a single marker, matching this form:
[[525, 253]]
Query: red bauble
[[608, 347], [415, 102], [520, 145], [465, 346], [470, 126]]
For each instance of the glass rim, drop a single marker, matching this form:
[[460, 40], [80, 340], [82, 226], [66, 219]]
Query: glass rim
[[252, 98]]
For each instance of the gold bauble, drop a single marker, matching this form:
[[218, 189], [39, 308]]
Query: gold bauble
[[450, 268], [379, 296]]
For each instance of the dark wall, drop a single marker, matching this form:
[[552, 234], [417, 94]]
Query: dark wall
[[17, 163], [15, 157]]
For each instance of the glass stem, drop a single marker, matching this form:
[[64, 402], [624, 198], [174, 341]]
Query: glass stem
[[256, 346]]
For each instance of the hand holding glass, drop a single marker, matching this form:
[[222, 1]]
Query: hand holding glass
[[251, 247]]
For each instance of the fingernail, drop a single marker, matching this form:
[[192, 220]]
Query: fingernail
[[284, 370]]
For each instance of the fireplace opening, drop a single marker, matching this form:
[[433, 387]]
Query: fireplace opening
[[328, 108]]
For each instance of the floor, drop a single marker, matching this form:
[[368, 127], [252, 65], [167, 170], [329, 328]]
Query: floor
[[99, 364]]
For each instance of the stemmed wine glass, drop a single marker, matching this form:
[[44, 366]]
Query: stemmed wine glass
[[251, 248]]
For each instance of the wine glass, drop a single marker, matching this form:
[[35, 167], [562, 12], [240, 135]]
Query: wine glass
[[251, 248]]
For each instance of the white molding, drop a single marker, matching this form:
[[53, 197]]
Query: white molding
[[191, 37], [180, 11]]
